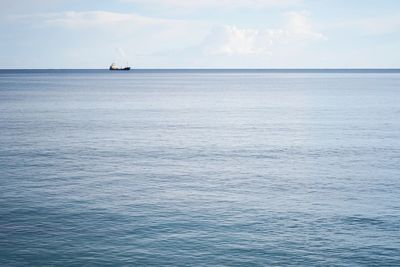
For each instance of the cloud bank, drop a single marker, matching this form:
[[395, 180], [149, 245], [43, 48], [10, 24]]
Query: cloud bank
[[173, 39], [232, 40]]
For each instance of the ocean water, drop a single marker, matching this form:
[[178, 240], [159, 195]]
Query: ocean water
[[200, 168]]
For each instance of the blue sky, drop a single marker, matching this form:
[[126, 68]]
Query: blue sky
[[200, 34]]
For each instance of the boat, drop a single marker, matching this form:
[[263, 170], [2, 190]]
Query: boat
[[114, 67]]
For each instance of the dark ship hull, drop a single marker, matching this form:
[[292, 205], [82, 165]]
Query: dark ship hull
[[126, 68]]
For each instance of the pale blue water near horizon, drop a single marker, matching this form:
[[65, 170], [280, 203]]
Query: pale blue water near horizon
[[200, 168]]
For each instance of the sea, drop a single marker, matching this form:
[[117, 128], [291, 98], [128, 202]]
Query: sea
[[200, 168]]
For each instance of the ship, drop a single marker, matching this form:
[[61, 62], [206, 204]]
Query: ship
[[114, 67]]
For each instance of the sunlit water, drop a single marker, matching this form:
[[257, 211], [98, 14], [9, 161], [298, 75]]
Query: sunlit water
[[199, 168]]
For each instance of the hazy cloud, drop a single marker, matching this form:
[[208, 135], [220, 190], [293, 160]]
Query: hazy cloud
[[74, 19], [130, 25]]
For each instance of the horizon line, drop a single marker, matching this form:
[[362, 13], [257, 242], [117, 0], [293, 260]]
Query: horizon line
[[250, 69]]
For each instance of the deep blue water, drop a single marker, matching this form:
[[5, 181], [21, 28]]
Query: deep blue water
[[200, 168]]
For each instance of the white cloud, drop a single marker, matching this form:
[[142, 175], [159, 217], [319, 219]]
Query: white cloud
[[84, 19], [218, 3], [232, 40], [300, 27]]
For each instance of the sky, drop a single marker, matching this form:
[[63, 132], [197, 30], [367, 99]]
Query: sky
[[200, 33]]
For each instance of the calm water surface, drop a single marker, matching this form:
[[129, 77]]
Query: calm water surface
[[199, 168]]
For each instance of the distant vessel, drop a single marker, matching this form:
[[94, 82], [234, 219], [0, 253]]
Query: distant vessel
[[114, 67]]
